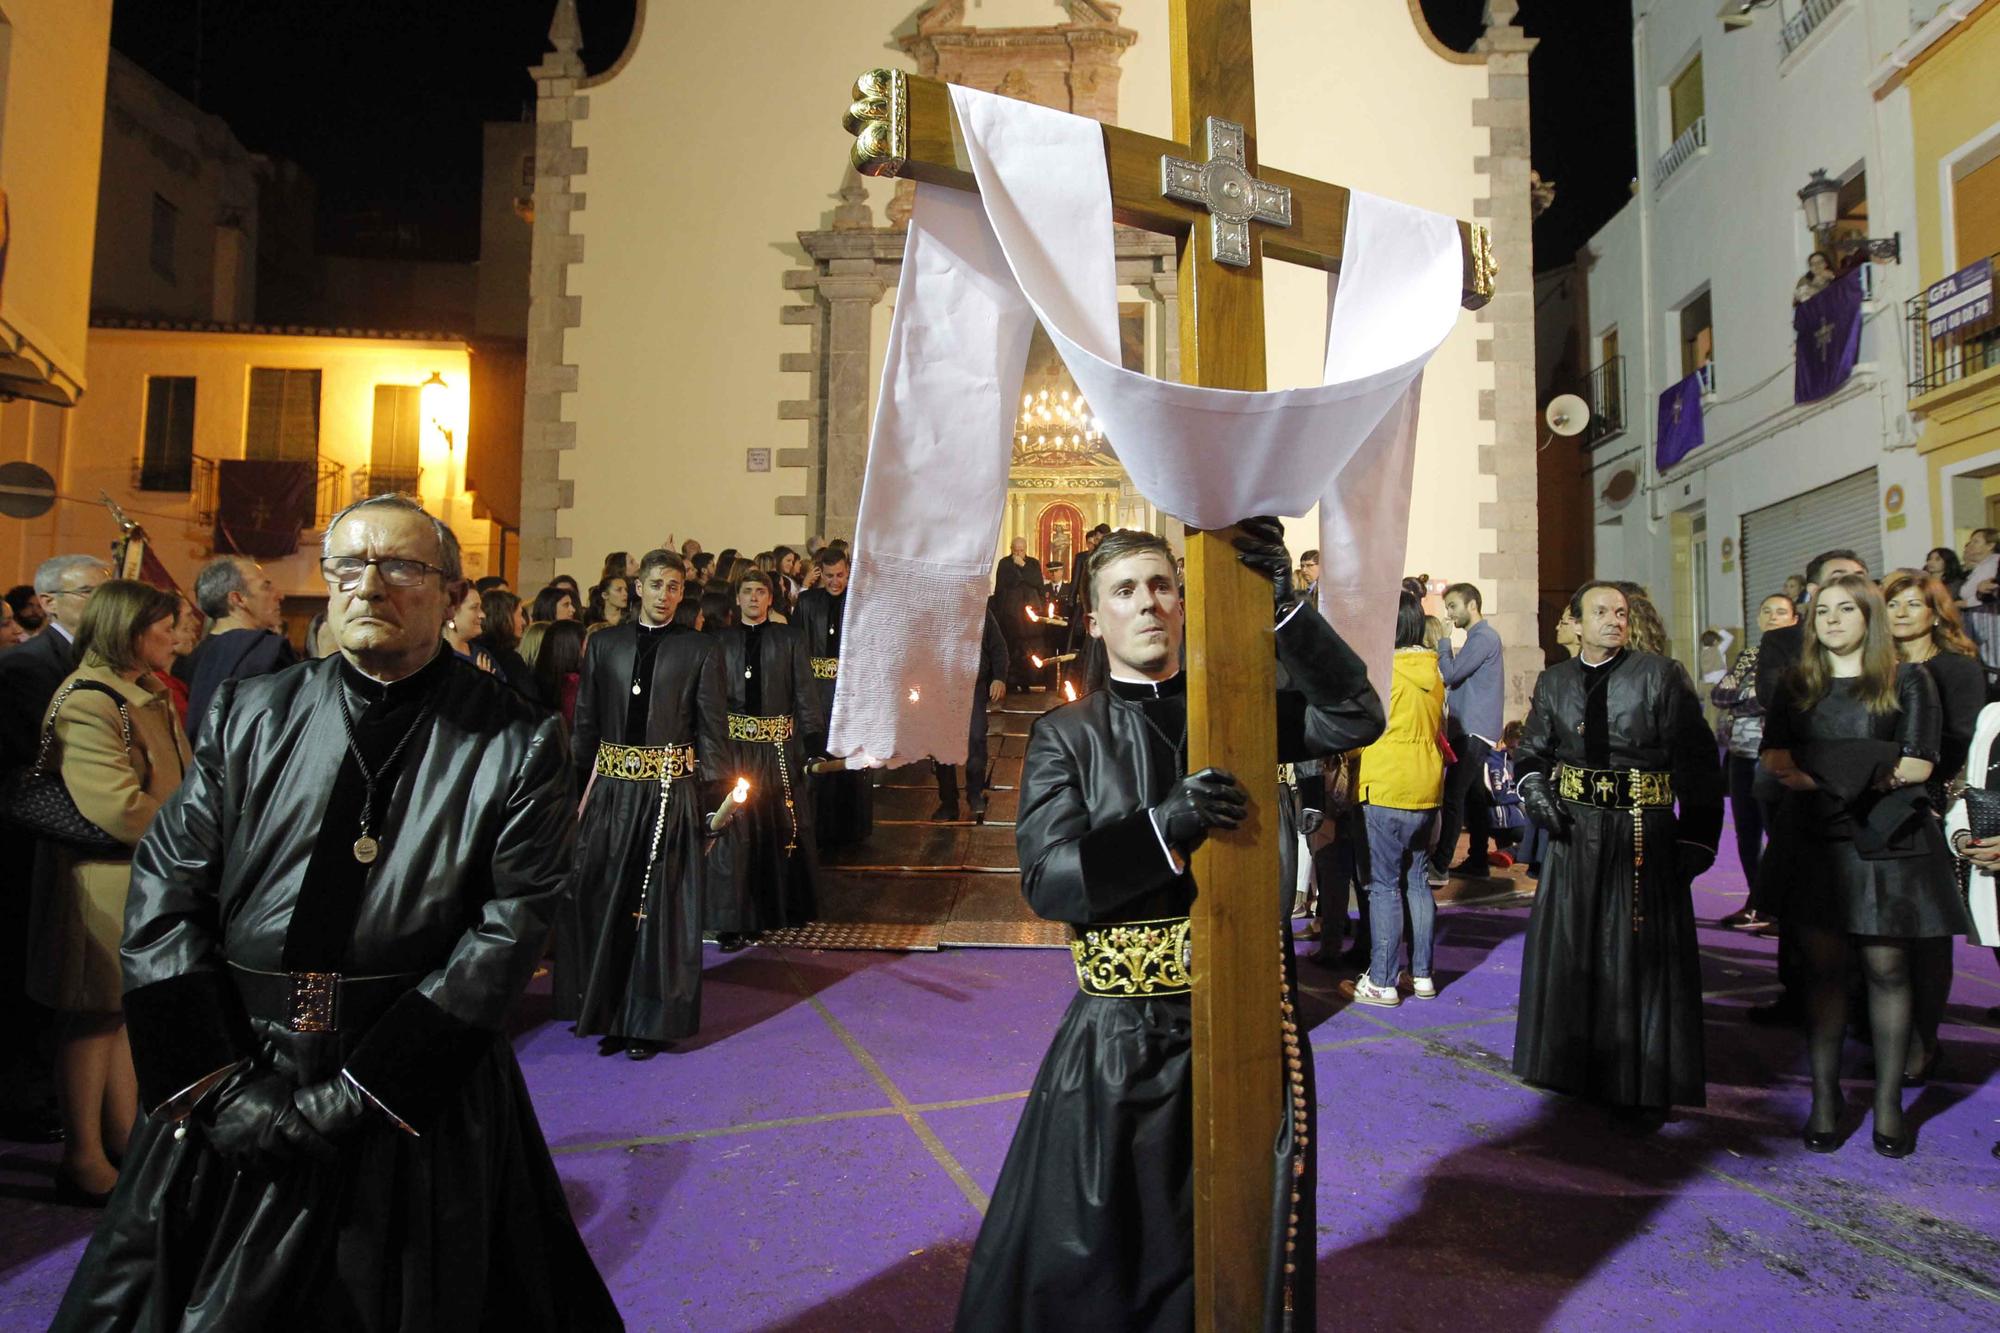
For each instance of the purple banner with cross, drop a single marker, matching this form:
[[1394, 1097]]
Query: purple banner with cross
[[1828, 328], [1680, 432]]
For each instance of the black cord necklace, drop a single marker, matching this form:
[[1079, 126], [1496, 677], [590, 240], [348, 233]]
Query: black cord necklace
[[367, 847]]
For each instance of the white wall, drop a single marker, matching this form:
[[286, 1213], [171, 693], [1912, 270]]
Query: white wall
[[1731, 219], [690, 217]]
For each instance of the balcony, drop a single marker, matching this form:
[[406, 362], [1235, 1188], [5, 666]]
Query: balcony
[[1955, 352], [372, 481], [1604, 390], [1707, 372], [1692, 141], [163, 474], [1800, 26]]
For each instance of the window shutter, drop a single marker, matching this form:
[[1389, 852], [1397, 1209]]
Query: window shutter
[[1778, 539], [283, 417], [1975, 213]]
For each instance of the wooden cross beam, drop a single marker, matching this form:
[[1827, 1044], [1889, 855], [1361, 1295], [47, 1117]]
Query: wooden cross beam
[[905, 126]]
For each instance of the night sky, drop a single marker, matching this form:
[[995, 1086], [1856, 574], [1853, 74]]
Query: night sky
[[381, 100]]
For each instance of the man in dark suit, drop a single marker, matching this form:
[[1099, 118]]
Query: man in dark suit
[[29, 678], [1777, 653], [1018, 585], [245, 615], [990, 691]]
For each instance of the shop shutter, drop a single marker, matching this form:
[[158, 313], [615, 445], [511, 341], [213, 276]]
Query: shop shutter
[[1778, 539]]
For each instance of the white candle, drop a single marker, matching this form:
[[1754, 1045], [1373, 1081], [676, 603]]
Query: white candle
[[737, 796]]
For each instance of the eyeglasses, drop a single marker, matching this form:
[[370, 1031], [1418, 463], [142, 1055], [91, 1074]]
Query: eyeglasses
[[346, 571], [83, 592]]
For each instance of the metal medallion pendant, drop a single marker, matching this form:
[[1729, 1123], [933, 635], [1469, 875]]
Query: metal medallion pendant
[[635, 687], [366, 849]]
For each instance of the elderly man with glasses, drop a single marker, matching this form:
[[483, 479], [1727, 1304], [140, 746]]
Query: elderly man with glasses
[[328, 924]]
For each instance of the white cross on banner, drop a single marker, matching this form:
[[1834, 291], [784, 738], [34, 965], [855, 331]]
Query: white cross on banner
[[1036, 241]]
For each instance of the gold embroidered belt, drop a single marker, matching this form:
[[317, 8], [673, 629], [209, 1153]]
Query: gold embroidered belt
[[763, 730], [644, 763], [826, 668], [1134, 960], [1614, 788], [1288, 774]]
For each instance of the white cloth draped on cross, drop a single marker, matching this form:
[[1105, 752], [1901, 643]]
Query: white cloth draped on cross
[[1036, 242]]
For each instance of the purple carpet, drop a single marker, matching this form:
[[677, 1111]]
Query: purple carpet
[[817, 1159]]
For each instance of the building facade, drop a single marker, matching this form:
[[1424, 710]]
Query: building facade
[[52, 71], [1697, 276]]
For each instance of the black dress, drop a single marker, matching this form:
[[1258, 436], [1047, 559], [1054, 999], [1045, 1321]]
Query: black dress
[[1091, 1224], [1905, 890], [1610, 981], [628, 937], [844, 802], [247, 874]]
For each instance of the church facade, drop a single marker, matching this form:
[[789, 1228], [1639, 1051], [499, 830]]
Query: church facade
[[712, 286]]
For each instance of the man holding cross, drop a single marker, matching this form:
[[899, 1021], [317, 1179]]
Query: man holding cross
[[1092, 1220]]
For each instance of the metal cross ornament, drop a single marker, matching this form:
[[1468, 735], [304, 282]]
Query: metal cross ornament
[[1224, 186]]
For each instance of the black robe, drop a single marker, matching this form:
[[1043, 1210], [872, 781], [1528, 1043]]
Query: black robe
[[764, 870], [462, 1225], [1611, 1011], [628, 935], [1091, 1224], [1016, 588], [843, 803]]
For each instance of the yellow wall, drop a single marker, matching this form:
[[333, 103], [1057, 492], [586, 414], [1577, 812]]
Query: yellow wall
[[720, 138], [106, 433], [1954, 98]]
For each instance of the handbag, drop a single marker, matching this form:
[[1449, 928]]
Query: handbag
[[39, 802], [1982, 812]]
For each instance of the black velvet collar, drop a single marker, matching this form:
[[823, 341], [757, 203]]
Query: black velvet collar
[[1141, 690]]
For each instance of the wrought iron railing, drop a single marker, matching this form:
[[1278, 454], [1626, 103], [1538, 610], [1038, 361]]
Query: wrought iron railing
[[329, 493], [1800, 25], [202, 491], [1693, 139], [1953, 353], [1604, 389], [385, 481], [1707, 372]]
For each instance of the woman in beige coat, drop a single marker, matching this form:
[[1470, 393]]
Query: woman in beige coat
[[125, 643]]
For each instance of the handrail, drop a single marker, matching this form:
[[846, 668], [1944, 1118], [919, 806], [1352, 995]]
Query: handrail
[[1800, 26], [1954, 353], [1604, 389], [1693, 139]]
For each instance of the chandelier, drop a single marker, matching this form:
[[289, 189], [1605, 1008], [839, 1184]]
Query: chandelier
[[1058, 426]]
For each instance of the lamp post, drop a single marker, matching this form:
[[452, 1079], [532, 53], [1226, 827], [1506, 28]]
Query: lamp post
[[1821, 201], [433, 391]]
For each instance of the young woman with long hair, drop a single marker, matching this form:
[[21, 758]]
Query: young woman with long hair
[[610, 602], [554, 602], [557, 663], [1875, 894]]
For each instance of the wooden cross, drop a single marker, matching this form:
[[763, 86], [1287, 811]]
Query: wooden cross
[[904, 126]]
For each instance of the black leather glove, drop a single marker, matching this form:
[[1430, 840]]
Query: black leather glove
[[250, 1120], [1692, 859], [1542, 806], [1199, 802], [1260, 544], [335, 1108]]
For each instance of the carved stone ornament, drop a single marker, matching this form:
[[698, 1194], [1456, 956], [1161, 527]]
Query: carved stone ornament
[[1224, 186]]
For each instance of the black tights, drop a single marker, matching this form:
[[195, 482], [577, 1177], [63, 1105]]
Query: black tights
[[1930, 979], [1886, 965]]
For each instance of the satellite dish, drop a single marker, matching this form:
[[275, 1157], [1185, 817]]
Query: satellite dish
[[1567, 414]]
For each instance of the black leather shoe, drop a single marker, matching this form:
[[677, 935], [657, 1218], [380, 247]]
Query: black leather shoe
[[1926, 1070], [978, 806], [730, 943], [945, 814], [1821, 1140], [73, 1195], [1902, 1145], [641, 1050]]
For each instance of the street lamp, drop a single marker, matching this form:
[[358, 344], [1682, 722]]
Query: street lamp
[[1821, 201]]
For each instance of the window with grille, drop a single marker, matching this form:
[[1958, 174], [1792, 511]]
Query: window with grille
[[166, 462], [393, 461], [166, 226], [283, 420]]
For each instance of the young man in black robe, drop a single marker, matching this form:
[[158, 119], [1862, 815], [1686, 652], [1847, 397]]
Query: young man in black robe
[[988, 691], [648, 747], [1610, 982], [844, 802], [327, 926], [764, 873], [1091, 1224]]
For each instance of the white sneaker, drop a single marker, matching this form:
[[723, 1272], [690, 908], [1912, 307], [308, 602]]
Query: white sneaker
[[1367, 992], [1425, 988]]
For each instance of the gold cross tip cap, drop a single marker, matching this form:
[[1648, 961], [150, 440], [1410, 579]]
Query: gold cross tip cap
[[879, 119]]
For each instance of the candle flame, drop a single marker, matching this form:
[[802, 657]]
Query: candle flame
[[1031, 613], [1036, 660], [1069, 690], [915, 694], [1052, 608], [741, 791]]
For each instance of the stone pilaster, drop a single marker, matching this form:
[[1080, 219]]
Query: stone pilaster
[[1511, 570], [552, 311]]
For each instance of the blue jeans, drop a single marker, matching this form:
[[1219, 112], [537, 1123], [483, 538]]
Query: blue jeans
[[1398, 843]]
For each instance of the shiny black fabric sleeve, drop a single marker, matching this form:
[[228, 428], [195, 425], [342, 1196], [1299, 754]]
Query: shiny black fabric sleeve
[[1777, 654], [182, 1013], [1328, 707], [994, 663], [1920, 724], [416, 1058], [1069, 870], [1537, 751], [1961, 687], [1780, 718], [810, 721], [1698, 785], [588, 728], [711, 716]]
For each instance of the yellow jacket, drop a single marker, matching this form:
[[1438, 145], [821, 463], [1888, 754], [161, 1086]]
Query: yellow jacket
[[1404, 769]]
